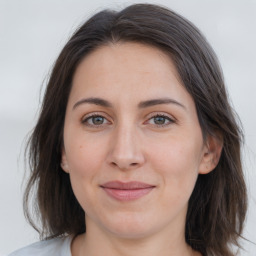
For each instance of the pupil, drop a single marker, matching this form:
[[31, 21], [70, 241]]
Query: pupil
[[159, 120], [97, 120]]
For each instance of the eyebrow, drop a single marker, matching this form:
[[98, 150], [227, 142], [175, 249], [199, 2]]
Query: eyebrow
[[95, 101], [153, 102], [143, 104]]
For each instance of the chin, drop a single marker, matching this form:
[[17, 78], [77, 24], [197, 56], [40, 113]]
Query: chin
[[131, 226]]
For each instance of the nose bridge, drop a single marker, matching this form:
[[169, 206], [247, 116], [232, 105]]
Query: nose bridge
[[125, 150]]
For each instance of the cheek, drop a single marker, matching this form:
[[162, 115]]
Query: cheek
[[85, 162], [177, 163], [84, 156]]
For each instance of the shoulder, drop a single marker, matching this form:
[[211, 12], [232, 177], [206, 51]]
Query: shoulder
[[54, 247]]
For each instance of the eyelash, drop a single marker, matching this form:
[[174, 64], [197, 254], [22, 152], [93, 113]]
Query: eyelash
[[86, 119], [170, 120], [166, 117]]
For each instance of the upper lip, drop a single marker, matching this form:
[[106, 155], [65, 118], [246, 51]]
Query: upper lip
[[126, 185]]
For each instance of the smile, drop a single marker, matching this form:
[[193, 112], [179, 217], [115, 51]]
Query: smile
[[126, 191]]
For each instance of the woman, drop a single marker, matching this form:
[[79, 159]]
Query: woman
[[136, 150]]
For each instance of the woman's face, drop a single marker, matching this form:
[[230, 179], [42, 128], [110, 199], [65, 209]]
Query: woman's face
[[133, 145]]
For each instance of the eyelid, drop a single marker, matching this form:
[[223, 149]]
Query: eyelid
[[161, 114], [95, 114], [165, 115]]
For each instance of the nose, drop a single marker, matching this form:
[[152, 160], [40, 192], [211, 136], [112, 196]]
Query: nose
[[125, 151]]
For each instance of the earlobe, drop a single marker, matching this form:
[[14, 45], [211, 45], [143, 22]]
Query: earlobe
[[64, 162], [211, 154]]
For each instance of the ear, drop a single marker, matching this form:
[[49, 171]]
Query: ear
[[211, 153], [64, 162]]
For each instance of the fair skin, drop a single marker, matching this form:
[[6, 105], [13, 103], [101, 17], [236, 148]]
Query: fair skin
[[129, 119]]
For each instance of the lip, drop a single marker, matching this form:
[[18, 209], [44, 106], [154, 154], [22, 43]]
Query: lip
[[127, 191]]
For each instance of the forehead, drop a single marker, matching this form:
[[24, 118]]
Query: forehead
[[135, 56], [127, 69]]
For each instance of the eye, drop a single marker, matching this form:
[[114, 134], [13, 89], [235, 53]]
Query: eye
[[160, 120], [95, 120]]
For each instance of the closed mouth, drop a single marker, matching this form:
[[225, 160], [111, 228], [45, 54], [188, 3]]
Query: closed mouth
[[126, 191]]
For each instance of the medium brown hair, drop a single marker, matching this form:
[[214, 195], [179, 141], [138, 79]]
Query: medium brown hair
[[218, 204]]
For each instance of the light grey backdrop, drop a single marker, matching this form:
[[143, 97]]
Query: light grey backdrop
[[31, 35]]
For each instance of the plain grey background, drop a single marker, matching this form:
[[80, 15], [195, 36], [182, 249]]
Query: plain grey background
[[32, 34]]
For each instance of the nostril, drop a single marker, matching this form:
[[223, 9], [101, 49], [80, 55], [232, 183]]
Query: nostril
[[113, 163], [124, 166]]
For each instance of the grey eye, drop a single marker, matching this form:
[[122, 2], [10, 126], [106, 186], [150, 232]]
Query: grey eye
[[159, 120], [97, 120]]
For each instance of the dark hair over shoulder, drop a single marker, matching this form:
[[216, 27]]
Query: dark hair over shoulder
[[218, 204]]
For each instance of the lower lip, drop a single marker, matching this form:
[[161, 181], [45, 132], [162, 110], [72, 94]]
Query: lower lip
[[127, 194]]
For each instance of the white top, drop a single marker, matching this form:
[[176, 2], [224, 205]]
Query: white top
[[60, 246]]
